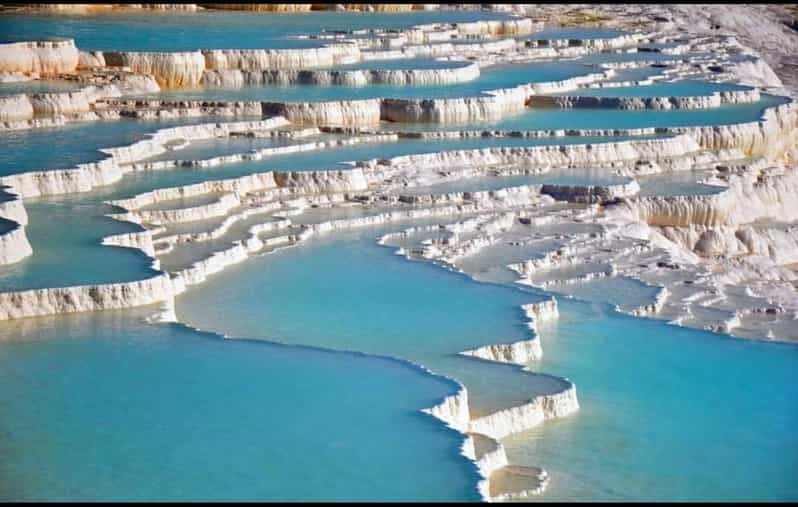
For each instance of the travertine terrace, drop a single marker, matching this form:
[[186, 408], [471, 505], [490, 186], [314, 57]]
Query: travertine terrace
[[720, 257]]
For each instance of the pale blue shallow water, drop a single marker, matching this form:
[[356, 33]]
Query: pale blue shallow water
[[608, 118], [60, 229], [666, 413], [364, 298], [101, 406], [74, 143], [38, 86], [187, 31]]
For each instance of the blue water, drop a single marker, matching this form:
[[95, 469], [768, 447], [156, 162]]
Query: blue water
[[667, 413], [677, 183], [218, 147], [104, 407], [364, 298], [66, 228], [604, 118], [7, 225], [64, 147], [491, 78], [38, 86], [144, 31]]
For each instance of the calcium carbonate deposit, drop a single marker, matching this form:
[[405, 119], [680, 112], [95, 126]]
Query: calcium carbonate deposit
[[398, 252]]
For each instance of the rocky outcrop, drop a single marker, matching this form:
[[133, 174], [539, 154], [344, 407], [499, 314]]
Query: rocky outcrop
[[520, 352], [523, 417], [15, 107], [491, 106], [764, 196], [605, 44], [171, 70], [410, 77], [51, 109], [280, 59], [345, 112], [261, 7], [38, 302], [45, 58], [591, 194], [771, 136], [14, 245], [90, 59]]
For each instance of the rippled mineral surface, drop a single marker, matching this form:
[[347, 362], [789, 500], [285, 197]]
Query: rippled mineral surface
[[398, 252]]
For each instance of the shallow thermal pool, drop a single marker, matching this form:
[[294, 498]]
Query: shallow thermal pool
[[161, 412], [39, 86], [214, 29], [651, 442]]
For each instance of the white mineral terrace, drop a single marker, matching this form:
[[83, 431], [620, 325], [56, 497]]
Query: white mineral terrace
[[705, 216]]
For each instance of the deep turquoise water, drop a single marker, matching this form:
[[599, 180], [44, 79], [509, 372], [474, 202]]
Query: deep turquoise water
[[60, 229], [709, 417], [144, 31], [7, 225], [361, 297], [101, 406]]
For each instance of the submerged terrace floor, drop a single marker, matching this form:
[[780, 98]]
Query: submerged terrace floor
[[277, 409]]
